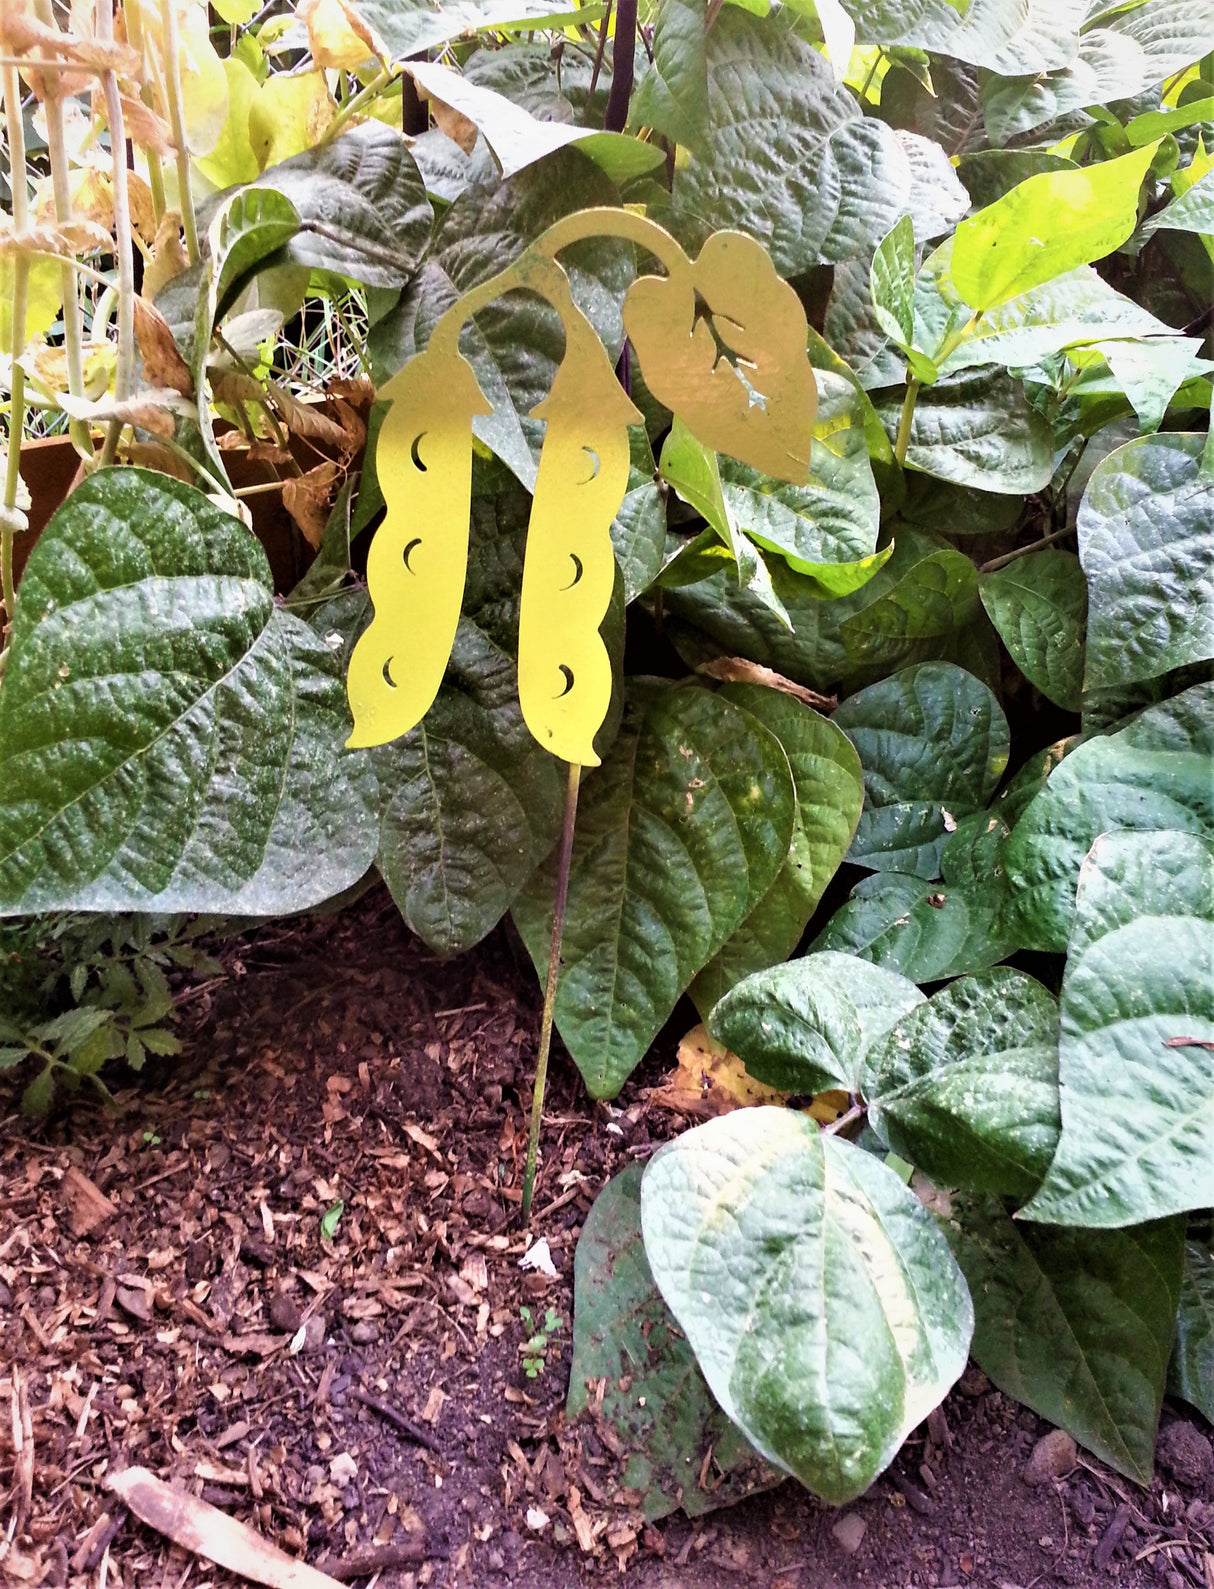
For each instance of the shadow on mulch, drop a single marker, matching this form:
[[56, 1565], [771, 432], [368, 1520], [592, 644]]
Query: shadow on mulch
[[286, 1276]]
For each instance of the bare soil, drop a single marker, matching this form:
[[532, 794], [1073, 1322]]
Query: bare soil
[[169, 1298]]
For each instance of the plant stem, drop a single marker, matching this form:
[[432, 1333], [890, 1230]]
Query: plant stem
[[554, 966], [16, 426], [354, 104], [908, 414], [73, 331], [172, 86], [623, 54], [856, 1112], [1023, 551], [124, 374]]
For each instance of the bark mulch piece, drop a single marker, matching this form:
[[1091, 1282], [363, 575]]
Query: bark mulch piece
[[285, 1276]]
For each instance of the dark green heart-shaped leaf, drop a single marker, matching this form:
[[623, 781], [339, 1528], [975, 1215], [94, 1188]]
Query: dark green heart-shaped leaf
[[976, 429], [779, 1250], [1191, 1372], [826, 776], [362, 206], [1155, 773], [1038, 605], [933, 744], [680, 833], [787, 148], [805, 1025], [1147, 551], [930, 930], [624, 1334], [170, 739], [1077, 1324], [966, 1085], [1137, 1036]]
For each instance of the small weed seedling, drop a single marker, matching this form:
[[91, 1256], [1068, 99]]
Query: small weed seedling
[[534, 1349]]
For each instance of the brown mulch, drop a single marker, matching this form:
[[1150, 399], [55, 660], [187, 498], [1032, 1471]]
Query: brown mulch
[[169, 1297]]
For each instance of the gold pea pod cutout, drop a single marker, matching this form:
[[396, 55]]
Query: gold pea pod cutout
[[418, 560], [564, 670], [731, 298]]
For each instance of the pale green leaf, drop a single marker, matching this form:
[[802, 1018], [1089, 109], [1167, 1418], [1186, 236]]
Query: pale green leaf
[[1148, 553], [779, 1250], [1046, 226], [1152, 774], [1137, 1030]]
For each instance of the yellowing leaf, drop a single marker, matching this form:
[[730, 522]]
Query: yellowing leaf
[[232, 160], [1045, 226], [564, 672], [709, 1080], [337, 35], [44, 295], [288, 116], [419, 557], [204, 86], [761, 411]]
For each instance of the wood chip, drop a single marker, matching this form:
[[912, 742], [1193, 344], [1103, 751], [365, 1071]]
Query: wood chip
[[206, 1531], [87, 1205]]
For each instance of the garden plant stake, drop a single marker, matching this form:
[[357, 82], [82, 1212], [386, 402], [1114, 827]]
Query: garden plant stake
[[761, 410]]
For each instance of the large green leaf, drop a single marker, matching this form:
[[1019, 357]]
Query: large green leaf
[[1193, 211], [1038, 605], [933, 744], [788, 150], [929, 930], [1191, 1373], [1077, 1324], [654, 1396], [1137, 1036], [1148, 553], [819, 1297], [680, 834], [966, 1085], [1017, 242], [976, 429], [1132, 48], [517, 343], [1155, 773], [830, 792], [672, 97], [1035, 36], [928, 595], [804, 1026], [1074, 308], [362, 206], [474, 804], [170, 740], [831, 519], [410, 27]]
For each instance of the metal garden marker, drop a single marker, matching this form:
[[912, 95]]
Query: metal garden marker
[[760, 410]]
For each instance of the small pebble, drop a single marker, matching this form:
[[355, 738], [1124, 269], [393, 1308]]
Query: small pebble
[[314, 1333], [1185, 1453], [285, 1314], [1052, 1458], [364, 1333], [849, 1531]]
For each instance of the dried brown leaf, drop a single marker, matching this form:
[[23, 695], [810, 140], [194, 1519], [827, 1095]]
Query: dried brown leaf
[[163, 364]]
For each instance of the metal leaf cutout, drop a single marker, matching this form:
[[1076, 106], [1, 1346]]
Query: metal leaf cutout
[[730, 300]]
